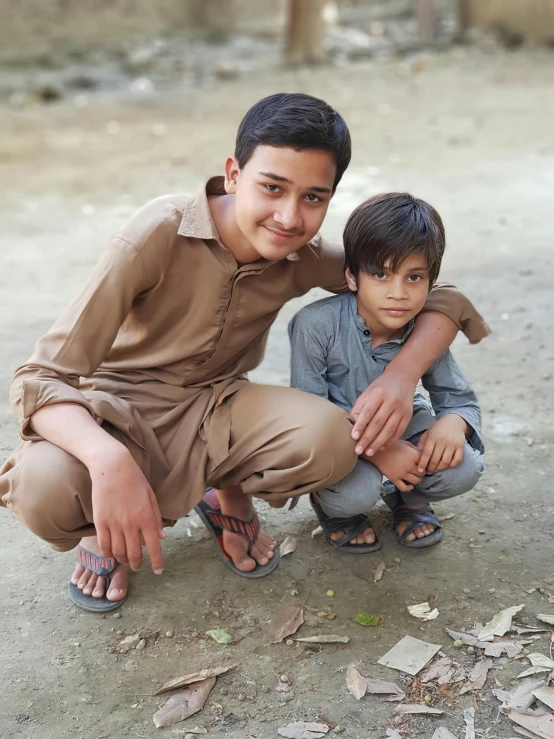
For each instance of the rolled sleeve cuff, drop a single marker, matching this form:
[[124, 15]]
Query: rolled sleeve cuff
[[449, 300], [36, 394]]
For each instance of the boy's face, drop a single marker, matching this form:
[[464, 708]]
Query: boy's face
[[389, 300], [281, 197]]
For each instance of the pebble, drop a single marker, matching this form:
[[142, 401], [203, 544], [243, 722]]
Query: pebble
[[190, 736], [549, 580], [120, 632], [141, 644], [224, 691], [467, 591], [264, 689], [123, 651], [130, 642], [397, 560], [241, 697], [284, 678], [117, 615]]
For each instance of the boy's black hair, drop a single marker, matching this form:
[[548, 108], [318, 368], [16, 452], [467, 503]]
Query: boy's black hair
[[296, 121], [391, 227]]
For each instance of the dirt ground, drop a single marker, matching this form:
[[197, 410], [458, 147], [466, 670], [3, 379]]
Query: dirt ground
[[473, 133]]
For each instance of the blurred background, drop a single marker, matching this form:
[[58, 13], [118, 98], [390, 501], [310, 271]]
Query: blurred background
[[107, 103]]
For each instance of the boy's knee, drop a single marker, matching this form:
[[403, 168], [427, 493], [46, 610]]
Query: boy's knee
[[325, 442], [45, 493]]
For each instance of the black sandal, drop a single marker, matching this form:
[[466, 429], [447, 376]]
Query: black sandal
[[352, 526], [415, 517]]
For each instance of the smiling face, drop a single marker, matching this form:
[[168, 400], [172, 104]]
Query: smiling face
[[281, 198], [387, 300]]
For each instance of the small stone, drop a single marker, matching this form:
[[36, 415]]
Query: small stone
[[294, 592], [290, 642], [547, 376], [130, 642], [169, 634], [141, 644], [226, 71], [224, 691], [330, 593], [194, 635], [284, 678], [190, 736], [467, 591], [144, 633], [338, 729], [241, 697], [123, 651], [120, 632], [397, 560], [76, 644], [117, 615], [470, 650], [458, 643], [264, 689], [549, 580]]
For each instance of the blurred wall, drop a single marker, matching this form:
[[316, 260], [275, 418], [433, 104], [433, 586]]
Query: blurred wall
[[31, 27], [532, 19]]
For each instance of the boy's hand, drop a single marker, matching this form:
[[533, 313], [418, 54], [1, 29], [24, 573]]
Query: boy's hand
[[399, 462], [443, 444], [382, 413], [125, 511]]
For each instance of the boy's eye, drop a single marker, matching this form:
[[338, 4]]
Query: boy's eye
[[313, 198], [380, 275], [415, 278], [272, 188]]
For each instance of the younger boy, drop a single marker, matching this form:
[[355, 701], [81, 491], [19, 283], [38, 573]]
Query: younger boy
[[394, 245]]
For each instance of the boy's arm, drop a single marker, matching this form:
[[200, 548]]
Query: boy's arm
[[450, 392], [308, 362]]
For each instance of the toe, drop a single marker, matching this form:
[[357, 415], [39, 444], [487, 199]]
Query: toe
[[99, 588], [91, 584], [83, 580], [77, 572]]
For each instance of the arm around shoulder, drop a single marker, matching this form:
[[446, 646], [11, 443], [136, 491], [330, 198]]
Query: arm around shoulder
[[447, 299]]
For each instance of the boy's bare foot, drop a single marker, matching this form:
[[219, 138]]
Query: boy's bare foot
[[366, 537], [235, 503], [421, 532], [91, 584]]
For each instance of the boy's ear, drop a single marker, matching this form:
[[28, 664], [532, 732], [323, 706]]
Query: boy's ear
[[351, 280], [232, 170]]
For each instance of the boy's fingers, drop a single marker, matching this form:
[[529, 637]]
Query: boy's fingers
[[104, 540], [458, 457], [154, 549], [435, 458], [118, 547], [364, 413], [403, 486], [392, 430], [134, 549], [157, 514], [428, 449], [422, 440]]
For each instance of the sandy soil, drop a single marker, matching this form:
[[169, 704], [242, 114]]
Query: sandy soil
[[472, 133]]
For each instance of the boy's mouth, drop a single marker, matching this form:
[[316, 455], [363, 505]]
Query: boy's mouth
[[283, 235], [396, 312]]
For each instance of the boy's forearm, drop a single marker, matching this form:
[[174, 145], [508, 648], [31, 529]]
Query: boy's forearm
[[72, 428], [432, 335]]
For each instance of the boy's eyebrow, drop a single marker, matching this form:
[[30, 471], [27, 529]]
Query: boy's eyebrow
[[279, 178]]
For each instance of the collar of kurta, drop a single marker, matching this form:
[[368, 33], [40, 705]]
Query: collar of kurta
[[197, 221]]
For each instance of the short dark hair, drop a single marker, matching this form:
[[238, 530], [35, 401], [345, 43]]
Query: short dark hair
[[296, 121], [392, 226]]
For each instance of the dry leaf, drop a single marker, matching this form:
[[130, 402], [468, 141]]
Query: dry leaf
[[391, 691], [500, 624], [356, 683], [325, 639], [442, 671], [183, 704], [303, 730], [288, 546], [317, 531], [469, 718], [477, 677], [285, 622], [423, 612], [379, 570], [194, 677], [540, 660], [542, 726], [443, 733], [521, 697], [532, 671], [416, 708], [545, 618], [546, 695], [409, 655], [394, 734]]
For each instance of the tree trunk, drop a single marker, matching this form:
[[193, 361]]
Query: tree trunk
[[305, 31], [464, 15], [427, 20]]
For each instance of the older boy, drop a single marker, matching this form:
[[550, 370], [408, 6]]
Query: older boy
[[137, 398], [394, 245]]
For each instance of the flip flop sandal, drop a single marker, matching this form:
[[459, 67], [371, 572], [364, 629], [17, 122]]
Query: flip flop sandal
[[415, 517], [217, 522], [103, 567], [352, 526]]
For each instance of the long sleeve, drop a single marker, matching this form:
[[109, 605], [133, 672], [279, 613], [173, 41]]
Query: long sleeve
[[450, 392], [81, 338], [308, 355]]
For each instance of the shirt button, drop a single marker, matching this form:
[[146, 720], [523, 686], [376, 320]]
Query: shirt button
[[366, 332]]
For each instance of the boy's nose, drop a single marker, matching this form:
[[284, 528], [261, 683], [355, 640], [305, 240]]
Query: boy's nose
[[289, 218], [397, 290]]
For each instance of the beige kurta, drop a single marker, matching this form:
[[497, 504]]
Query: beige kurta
[[160, 339]]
